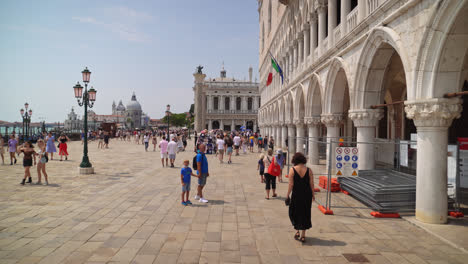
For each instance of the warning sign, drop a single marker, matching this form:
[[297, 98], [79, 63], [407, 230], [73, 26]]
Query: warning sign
[[347, 161]]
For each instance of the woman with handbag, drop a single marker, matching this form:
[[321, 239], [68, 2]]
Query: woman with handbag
[[301, 183], [273, 170]]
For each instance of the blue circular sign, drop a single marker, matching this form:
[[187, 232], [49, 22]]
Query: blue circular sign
[[355, 158], [354, 165], [339, 157], [339, 165], [346, 158]]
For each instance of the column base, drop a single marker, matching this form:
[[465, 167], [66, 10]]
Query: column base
[[85, 171]]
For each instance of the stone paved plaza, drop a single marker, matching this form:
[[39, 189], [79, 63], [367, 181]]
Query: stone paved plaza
[[130, 212]]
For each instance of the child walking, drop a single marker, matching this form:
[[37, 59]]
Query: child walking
[[261, 168], [185, 176]]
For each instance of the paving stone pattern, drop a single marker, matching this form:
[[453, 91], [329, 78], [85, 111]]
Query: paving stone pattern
[[130, 212]]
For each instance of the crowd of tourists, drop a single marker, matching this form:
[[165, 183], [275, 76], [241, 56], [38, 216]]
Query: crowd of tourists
[[45, 149]]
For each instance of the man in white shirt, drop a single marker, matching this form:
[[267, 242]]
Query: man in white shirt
[[237, 142], [172, 150]]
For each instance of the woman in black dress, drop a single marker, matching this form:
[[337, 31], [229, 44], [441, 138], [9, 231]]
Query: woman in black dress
[[301, 183]]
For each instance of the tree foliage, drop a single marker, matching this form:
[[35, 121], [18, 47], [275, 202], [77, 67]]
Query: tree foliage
[[178, 120]]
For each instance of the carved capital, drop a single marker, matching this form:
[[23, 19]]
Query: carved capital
[[299, 123], [332, 120], [366, 117], [312, 121], [435, 112]]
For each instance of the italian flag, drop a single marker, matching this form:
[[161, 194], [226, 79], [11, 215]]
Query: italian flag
[[277, 68]]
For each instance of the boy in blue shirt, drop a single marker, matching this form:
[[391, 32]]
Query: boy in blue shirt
[[185, 174]]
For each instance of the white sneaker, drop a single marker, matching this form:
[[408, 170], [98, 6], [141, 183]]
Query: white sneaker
[[203, 200], [196, 197]]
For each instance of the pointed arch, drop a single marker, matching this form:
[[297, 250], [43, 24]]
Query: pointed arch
[[335, 86], [289, 109], [299, 103], [430, 68], [314, 97], [380, 45]]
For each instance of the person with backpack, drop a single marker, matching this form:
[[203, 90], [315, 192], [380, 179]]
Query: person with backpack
[[272, 169], [202, 171]]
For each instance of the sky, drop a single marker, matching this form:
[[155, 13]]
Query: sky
[[147, 47]]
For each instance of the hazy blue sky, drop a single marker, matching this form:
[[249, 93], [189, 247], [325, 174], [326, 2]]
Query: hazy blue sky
[[150, 47]]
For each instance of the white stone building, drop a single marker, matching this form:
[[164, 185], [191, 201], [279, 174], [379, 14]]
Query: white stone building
[[73, 123], [225, 103], [340, 57]]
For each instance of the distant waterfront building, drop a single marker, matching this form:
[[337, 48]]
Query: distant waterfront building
[[131, 116], [73, 123], [225, 103]]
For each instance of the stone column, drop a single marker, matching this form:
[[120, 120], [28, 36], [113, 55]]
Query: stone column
[[300, 55], [233, 102], [366, 121], [291, 138], [278, 136], [313, 33], [255, 126], [300, 135], [210, 124], [362, 11], [243, 104], [291, 61], [221, 102], [333, 122], [294, 66], [221, 124], [313, 124], [345, 9], [332, 13], [307, 48], [198, 90], [284, 135], [432, 118], [322, 23]]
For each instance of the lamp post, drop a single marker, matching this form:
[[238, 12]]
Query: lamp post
[[26, 116], [87, 99], [168, 114]]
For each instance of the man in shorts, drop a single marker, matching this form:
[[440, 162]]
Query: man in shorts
[[202, 172], [163, 147], [172, 149]]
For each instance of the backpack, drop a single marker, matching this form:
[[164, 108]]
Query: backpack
[[194, 162]]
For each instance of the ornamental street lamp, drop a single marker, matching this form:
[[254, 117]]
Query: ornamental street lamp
[[168, 115], [87, 99], [26, 116]]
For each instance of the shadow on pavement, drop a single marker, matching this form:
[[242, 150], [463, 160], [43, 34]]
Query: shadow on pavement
[[323, 242]]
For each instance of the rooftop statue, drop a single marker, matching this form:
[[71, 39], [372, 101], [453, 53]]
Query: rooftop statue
[[199, 69]]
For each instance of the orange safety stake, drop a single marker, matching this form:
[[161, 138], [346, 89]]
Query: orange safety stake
[[316, 190], [325, 211], [385, 215], [345, 192]]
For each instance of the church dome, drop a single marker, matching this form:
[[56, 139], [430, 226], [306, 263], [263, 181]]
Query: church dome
[[133, 105], [120, 107]]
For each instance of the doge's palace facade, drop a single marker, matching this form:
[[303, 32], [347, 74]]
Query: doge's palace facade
[[343, 58]]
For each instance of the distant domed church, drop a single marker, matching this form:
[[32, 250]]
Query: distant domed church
[[133, 114]]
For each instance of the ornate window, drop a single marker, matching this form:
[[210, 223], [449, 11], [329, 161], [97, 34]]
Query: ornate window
[[216, 103], [238, 103], [226, 103], [249, 104]]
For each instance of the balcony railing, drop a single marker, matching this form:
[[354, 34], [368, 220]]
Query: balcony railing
[[212, 111], [372, 5], [352, 19]]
